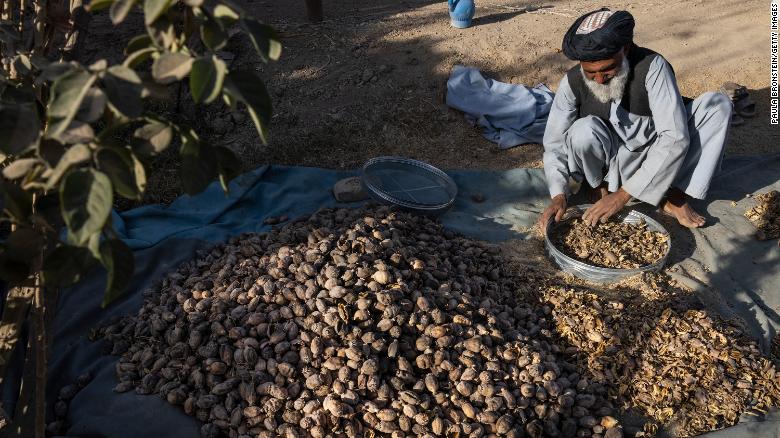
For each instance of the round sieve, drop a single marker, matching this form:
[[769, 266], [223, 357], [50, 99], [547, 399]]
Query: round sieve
[[409, 183], [597, 273]]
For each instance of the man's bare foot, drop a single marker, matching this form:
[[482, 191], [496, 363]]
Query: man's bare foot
[[676, 205]]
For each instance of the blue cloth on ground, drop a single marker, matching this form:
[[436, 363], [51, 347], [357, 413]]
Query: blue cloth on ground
[[164, 237], [295, 191], [510, 114]]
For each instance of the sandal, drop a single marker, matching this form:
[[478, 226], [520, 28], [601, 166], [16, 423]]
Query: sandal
[[740, 98], [734, 90], [745, 107], [736, 120]]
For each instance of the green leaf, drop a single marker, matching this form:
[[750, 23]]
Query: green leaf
[[120, 9], [98, 66], [13, 94], [21, 247], [97, 5], [127, 174], [198, 165], [76, 154], [138, 50], [19, 127], [39, 61], [17, 202], [154, 8], [230, 101], [23, 244], [66, 95], [65, 265], [206, 78], [22, 65], [264, 39], [47, 208], [171, 67], [162, 33], [54, 70], [225, 14], [19, 168], [85, 201], [118, 261], [123, 87], [138, 43], [139, 56], [93, 245], [77, 132], [156, 91], [153, 138], [228, 166], [213, 34], [247, 87], [93, 105], [51, 151]]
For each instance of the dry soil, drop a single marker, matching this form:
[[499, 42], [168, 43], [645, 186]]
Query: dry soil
[[371, 78]]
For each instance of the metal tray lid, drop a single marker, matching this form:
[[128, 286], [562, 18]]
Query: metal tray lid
[[409, 183]]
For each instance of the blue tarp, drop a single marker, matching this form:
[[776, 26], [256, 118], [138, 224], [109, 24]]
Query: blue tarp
[[511, 198], [163, 237]]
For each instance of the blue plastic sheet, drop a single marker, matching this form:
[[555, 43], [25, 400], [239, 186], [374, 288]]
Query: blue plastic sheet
[[163, 237]]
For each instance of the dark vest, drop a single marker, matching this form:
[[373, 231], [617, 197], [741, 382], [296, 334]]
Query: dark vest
[[634, 100]]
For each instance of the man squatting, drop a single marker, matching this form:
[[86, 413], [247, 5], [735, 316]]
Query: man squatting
[[619, 123]]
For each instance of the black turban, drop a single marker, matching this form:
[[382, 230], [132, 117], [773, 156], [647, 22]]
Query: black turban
[[598, 39]]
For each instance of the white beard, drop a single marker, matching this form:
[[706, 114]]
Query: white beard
[[612, 90]]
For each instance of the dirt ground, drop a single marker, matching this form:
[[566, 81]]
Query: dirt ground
[[371, 78]]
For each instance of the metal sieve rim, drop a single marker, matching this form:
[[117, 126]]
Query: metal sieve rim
[[596, 273], [449, 184]]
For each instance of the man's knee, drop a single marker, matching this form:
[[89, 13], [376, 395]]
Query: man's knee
[[715, 103], [583, 137]]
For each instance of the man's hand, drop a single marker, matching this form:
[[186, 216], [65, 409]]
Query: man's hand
[[607, 206], [555, 210]]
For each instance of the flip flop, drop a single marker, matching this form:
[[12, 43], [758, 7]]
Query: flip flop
[[745, 107], [733, 90], [736, 120]]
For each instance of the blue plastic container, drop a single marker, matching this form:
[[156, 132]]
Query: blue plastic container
[[461, 13]]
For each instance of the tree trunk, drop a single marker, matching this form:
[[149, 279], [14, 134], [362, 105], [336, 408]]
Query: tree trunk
[[16, 309], [39, 22], [40, 359], [72, 36], [17, 306]]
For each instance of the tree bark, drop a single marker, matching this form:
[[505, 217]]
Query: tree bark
[[40, 359], [71, 37], [17, 306], [39, 22]]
